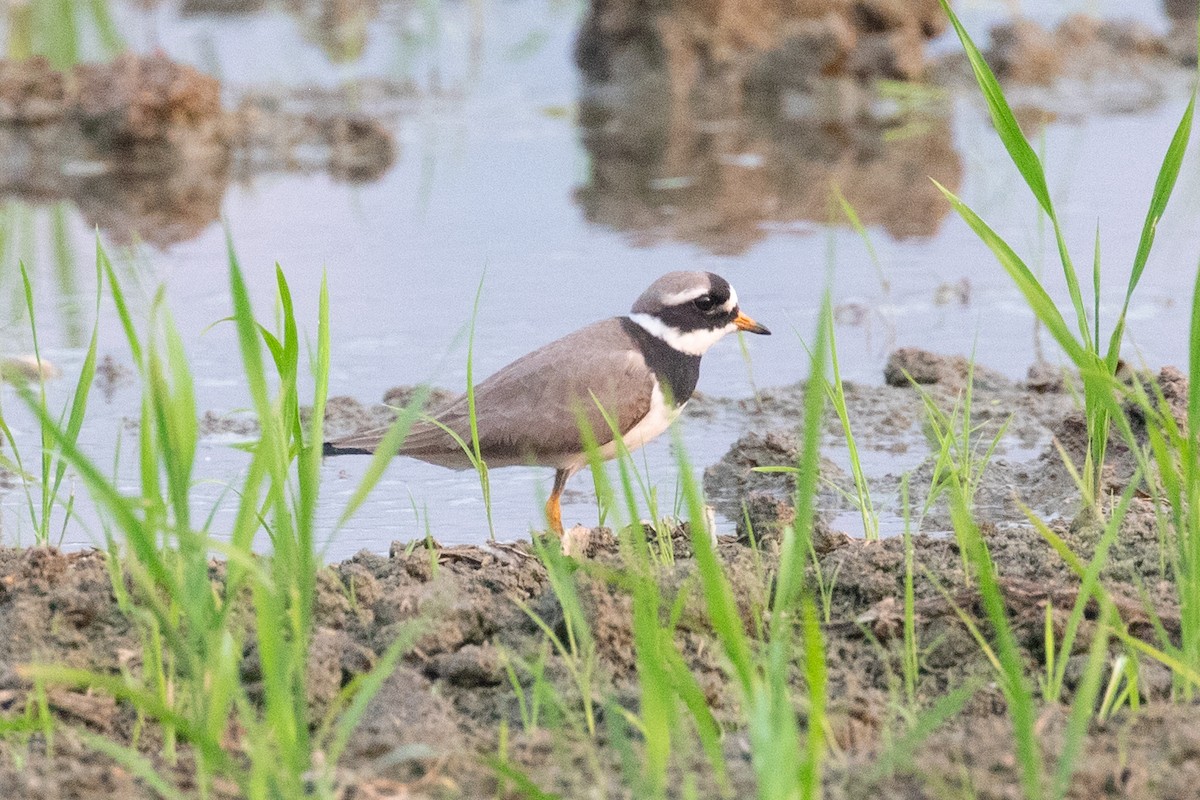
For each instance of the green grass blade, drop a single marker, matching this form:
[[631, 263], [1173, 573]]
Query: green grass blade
[[718, 595], [480, 464], [1023, 157], [693, 697], [368, 686], [1012, 669], [1193, 413], [902, 751], [862, 489], [118, 297], [1163, 187], [1083, 706], [1003, 119]]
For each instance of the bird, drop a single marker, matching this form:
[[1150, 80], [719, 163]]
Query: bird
[[639, 369]]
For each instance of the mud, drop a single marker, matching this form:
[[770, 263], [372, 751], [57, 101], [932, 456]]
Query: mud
[[890, 427], [1084, 65], [344, 415], [720, 54], [146, 150], [435, 728]]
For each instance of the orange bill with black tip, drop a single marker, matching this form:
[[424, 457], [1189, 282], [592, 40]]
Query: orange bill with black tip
[[744, 323]]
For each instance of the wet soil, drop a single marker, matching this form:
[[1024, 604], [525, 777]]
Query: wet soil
[[441, 720]]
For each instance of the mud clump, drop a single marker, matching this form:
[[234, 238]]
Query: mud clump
[[145, 149], [719, 53], [912, 365], [344, 415], [1083, 66], [1080, 47]]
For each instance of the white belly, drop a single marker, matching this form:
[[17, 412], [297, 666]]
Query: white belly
[[657, 419]]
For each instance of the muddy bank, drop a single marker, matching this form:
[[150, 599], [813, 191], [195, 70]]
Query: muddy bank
[[1083, 66], [890, 424], [437, 724], [146, 150], [724, 55], [437, 721]]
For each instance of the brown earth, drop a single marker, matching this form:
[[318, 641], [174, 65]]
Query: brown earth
[[437, 723]]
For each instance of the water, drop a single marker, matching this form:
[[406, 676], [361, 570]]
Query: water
[[494, 181]]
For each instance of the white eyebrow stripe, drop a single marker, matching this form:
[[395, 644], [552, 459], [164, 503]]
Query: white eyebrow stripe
[[694, 343], [679, 298], [732, 302]]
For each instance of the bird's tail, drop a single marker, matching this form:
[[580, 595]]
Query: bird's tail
[[334, 449]]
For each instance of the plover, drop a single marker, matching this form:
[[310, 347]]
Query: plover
[[641, 368]]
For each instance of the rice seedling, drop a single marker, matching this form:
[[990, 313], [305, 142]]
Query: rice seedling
[[836, 393], [786, 764], [1005, 656], [194, 630], [1172, 456], [529, 701], [1056, 656], [52, 467], [578, 648], [956, 442], [910, 660], [480, 465], [65, 32], [1097, 365], [1003, 653]]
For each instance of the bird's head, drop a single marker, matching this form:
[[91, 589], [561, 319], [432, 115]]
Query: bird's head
[[691, 311]]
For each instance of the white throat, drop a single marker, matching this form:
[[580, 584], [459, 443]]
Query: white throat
[[694, 343]]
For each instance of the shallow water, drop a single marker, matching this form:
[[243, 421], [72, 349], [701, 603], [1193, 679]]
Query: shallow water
[[494, 181]]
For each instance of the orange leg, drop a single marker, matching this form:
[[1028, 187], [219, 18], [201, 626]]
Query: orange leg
[[553, 509]]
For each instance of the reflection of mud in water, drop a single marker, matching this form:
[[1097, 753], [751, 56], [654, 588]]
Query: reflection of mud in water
[[338, 27], [710, 126], [143, 147], [190, 8], [722, 184]]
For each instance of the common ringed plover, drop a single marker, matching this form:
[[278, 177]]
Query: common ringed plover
[[640, 368]]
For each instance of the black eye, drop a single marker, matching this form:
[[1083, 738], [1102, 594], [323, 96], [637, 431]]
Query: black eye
[[704, 302]]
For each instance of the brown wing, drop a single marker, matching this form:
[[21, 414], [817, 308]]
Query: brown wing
[[528, 412]]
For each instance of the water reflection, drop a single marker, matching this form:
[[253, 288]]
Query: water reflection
[[38, 235], [718, 140], [338, 27], [725, 184], [145, 150]]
